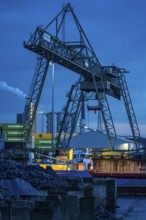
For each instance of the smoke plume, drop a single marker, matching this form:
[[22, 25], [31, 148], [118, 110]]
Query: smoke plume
[[16, 91]]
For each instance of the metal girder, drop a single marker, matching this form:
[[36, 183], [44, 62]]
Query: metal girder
[[71, 114], [33, 96], [72, 111], [82, 61], [52, 48], [106, 114], [76, 55], [79, 57], [128, 105]]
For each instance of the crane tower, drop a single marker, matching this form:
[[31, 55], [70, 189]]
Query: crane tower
[[76, 54]]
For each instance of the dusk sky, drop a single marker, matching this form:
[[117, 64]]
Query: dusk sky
[[116, 30]]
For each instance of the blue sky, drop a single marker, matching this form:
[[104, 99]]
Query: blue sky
[[116, 30]]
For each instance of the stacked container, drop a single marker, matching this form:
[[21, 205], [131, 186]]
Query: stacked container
[[13, 134], [43, 140]]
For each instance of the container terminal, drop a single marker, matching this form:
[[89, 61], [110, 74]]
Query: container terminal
[[93, 166]]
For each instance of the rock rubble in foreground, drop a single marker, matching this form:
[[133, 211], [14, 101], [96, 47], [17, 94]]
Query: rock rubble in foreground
[[34, 174]]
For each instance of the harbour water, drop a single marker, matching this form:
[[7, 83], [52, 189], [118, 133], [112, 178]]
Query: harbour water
[[131, 208]]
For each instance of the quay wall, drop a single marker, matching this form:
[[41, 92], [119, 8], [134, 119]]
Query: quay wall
[[78, 201]]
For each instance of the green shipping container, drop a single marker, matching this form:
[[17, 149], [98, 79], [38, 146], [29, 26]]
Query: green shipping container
[[14, 133], [44, 141], [14, 139], [43, 147], [13, 126]]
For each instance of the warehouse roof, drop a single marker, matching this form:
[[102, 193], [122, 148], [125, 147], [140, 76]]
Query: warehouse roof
[[94, 139]]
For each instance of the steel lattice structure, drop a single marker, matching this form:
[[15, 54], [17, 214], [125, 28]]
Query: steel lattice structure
[[78, 56]]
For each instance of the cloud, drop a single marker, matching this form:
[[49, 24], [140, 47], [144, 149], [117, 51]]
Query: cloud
[[14, 90]]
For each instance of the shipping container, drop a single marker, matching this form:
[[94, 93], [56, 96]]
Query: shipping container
[[44, 142], [47, 136], [43, 146], [14, 133], [14, 126], [15, 139]]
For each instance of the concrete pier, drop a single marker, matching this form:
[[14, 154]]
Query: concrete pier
[[78, 201]]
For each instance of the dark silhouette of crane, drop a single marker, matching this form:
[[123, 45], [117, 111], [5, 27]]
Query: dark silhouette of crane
[[76, 54]]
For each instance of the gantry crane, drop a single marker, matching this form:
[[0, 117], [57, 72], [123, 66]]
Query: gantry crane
[[76, 55]]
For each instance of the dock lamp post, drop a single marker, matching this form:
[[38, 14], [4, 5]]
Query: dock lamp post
[[52, 64]]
